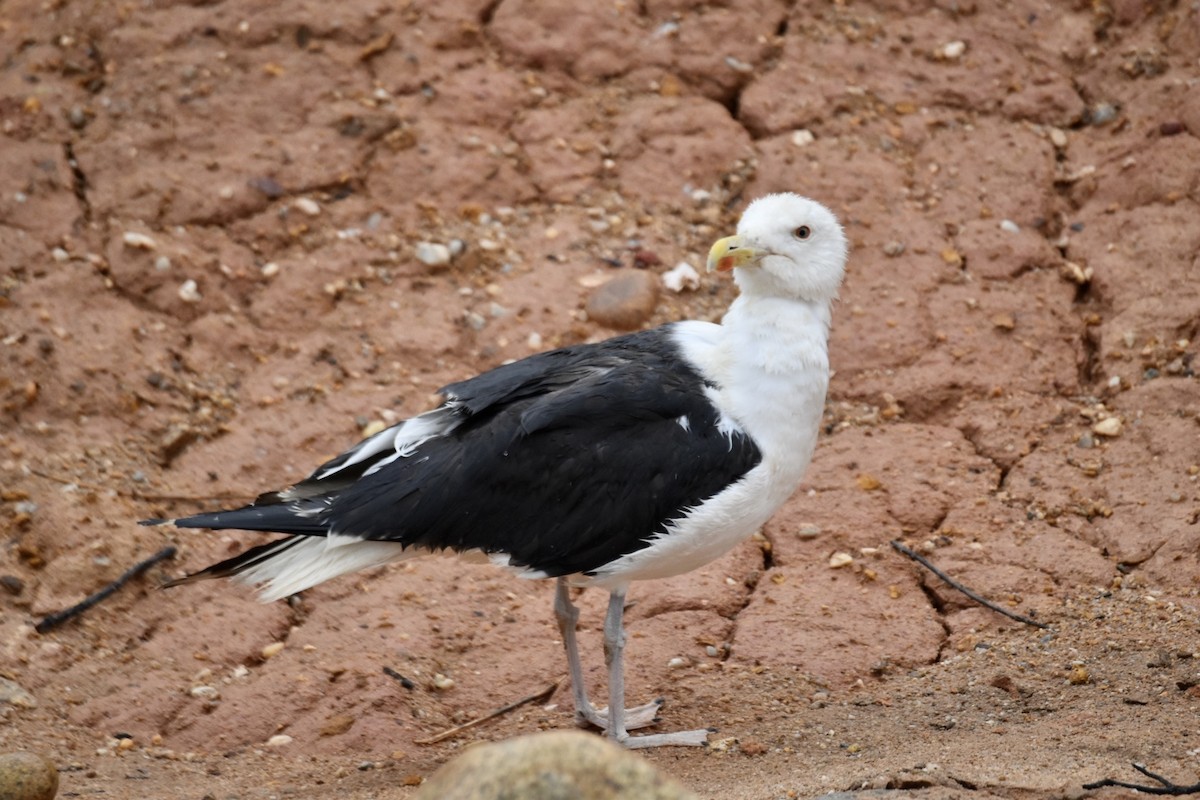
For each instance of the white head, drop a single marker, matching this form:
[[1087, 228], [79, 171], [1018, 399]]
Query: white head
[[786, 246]]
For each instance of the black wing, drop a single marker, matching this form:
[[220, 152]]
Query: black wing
[[567, 461]]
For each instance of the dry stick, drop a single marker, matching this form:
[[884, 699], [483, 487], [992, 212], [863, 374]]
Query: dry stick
[[58, 618], [1167, 788], [915, 556], [541, 696], [405, 682]]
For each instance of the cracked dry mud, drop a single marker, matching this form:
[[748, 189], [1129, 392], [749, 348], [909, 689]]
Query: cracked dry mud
[[208, 284]]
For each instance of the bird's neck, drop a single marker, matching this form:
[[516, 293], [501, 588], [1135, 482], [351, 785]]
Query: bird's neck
[[777, 362], [778, 336]]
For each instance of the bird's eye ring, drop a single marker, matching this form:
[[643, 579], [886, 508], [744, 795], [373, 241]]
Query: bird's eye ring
[[803, 232]]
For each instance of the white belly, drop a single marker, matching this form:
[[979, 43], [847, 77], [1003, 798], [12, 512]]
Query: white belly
[[704, 534]]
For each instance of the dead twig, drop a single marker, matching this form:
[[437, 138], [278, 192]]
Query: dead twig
[[1166, 787], [539, 697], [915, 556], [54, 620], [405, 682]]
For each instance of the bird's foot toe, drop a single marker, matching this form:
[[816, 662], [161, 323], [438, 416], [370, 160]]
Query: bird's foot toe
[[674, 739], [638, 717]]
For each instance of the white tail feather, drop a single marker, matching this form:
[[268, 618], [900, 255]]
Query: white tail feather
[[316, 560]]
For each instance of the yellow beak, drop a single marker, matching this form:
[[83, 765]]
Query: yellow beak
[[730, 252]]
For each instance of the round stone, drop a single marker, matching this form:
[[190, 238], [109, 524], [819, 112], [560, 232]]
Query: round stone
[[27, 776]]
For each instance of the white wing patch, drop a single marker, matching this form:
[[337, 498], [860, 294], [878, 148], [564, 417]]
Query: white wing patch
[[364, 450], [684, 422], [505, 560], [403, 439], [317, 559]]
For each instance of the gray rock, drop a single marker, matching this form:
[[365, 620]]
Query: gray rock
[[624, 302], [559, 765], [27, 776], [13, 694]]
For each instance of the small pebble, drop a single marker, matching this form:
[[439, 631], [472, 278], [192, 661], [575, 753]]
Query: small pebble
[[668, 28], [273, 649], [803, 137], [12, 584], [737, 65], [643, 259], [432, 254], [268, 186], [77, 117], [205, 692], [270, 269], [1172, 128], [893, 249], [27, 776], [1103, 113], [138, 241], [162, 263], [306, 206], [952, 51], [442, 683], [1058, 138], [839, 560], [60, 255], [868, 482], [189, 292], [711, 651], [808, 531], [1004, 321], [1008, 226], [1108, 427], [1086, 441], [677, 662], [279, 740]]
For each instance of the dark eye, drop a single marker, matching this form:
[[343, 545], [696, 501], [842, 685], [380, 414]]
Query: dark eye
[[803, 232]]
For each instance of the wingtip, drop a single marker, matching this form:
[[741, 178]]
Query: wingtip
[[153, 521]]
